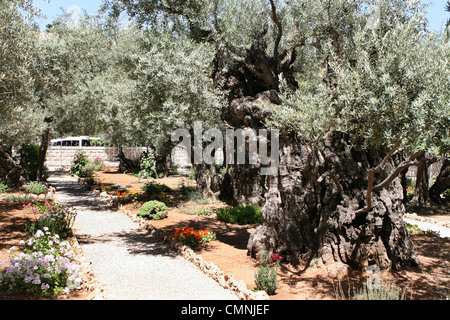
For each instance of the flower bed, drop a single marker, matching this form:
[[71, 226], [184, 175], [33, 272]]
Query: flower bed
[[45, 264], [191, 237]]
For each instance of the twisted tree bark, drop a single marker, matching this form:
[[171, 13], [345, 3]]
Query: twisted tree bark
[[313, 209], [12, 173]]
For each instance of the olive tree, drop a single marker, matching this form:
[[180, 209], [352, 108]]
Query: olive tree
[[20, 119], [70, 79], [357, 96]]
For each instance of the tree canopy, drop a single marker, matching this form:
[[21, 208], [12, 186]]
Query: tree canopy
[[369, 67]]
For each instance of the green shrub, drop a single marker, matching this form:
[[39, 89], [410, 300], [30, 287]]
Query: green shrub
[[153, 210], [3, 187], [153, 188], [191, 175], [36, 188], [87, 171], [187, 190], [241, 214], [146, 165]]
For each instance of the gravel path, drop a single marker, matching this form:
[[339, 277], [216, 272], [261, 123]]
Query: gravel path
[[127, 262]]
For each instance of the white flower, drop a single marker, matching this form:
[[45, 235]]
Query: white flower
[[38, 234], [12, 249], [45, 286]]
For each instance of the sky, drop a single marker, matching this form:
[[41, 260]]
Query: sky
[[51, 8]]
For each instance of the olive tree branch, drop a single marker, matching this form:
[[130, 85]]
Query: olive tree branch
[[408, 162]]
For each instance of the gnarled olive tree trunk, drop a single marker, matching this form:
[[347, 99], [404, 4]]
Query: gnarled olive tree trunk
[[11, 172], [312, 206], [320, 203], [442, 182]]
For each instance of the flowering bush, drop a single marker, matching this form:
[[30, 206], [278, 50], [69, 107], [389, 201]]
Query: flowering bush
[[191, 237], [47, 266], [81, 166], [98, 164], [266, 276], [128, 196], [57, 218], [78, 163]]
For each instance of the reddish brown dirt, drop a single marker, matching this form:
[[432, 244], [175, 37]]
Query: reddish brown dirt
[[229, 252]]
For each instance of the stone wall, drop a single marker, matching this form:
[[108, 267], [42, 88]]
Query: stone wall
[[62, 156]]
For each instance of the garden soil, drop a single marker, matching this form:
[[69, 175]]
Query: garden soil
[[229, 251]]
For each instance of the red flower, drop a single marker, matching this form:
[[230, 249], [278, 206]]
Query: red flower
[[276, 256]]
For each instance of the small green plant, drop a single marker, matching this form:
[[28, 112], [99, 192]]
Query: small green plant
[[98, 164], [35, 188], [192, 210], [147, 166], [314, 262], [3, 187], [414, 229], [153, 188], [18, 198], [154, 209], [191, 175], [187, 190], [266, 275], [386, 291], [413, 207], [241, 214]]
